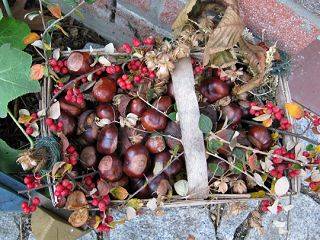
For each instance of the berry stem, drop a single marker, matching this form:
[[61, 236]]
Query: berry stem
[[36, 188], [284, 132], [21, 128]]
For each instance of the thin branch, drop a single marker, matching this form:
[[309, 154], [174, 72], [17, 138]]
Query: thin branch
[[37, 188], [150, 105], [284, 132]]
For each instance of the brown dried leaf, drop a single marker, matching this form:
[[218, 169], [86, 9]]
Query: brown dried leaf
[[182, 18], [225, 35], [76, 200], [30, 38], [262, 117], [55, 10], [119, 193], [124, 102], [94, 221], [59, 169], [79, 217], [36, 72]]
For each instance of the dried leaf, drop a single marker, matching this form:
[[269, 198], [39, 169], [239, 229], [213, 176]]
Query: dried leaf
[[181, 187], [267, 123], [38, 44], [131, 213], [104, 61], [274, 207], [158, 166], [76, 200], [282, 186], [222, 59], [59, 169], [109, 48], [62, 30], [54, 110], [30, 38], [36, 72], [55, 10], [225, 35], [119, 193], [233, 142], [262, 117], [136, 203], [294, 110], [152, 204], [258, 179], [79, 217], [182, 18], [56, 54], [253, 162]]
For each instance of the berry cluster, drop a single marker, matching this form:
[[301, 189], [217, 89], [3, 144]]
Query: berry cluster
[[72, 155], [29, 129], [54, 127], [58, 87], [280, 165], [102, 203], [113, 69], [29, 208], [74, 95], [267, 203], [104, 227], [102, 70], [88, 181], [32, 181], [126, 47], [64, 188], [124, 82], [314, 186], [59, 66], [270, 108]]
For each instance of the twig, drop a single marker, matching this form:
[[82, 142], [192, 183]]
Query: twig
[[150, 105], [97, 51], [284, 132], [7, 7], [21, 128], [36, 188], [86, 175]]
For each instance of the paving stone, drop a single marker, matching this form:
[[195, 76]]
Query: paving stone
[[304, 222], [175, 224], [230, 222], [9, 222]]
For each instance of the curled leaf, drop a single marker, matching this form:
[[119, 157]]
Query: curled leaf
[[294, 110], [37, 72], [76, 200], [119, 193], [55, 10], [79, 217], [30, 38]]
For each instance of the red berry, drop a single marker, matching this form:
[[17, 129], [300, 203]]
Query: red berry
[[275, 109], [106, 199], [27, 179], [24, 205], [65, 193], [53, 128], [26, 210], [68, 98], [33, 208], [64, 70], [65, 182], [29, 130], [49, 121], [273, 172], [102, 206], [109, 219], [136, 42], [53, 62], [34, 116], [56, 69], [59, 188], [276, 160], [278, 116], [60, 63], [36, 201], [71, 149], [95, 202]]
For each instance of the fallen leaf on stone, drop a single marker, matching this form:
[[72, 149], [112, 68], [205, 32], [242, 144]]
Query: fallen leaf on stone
[[294, 110], [181, 187], [76, 200], [281, 186], [131, 213], [79, 217], [119, 193]]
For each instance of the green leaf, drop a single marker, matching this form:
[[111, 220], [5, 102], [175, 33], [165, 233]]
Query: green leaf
[[173, 116], [213, 145], [309, 147], [150, 94], [175, 107], [13, 31], [239, 153], [14, 76], [90, 1], [8, 157], [238, 167], [205, 123], [216, 169]]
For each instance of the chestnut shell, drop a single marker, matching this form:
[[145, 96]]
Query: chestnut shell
[[214, 89], [110, 168], [107, 139], [104, 90], [136, 161], [152, 120], [260, 137]]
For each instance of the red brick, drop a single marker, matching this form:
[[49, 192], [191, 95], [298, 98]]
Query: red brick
[[143, 5], [304, 79], [170, 11], [281, 24]]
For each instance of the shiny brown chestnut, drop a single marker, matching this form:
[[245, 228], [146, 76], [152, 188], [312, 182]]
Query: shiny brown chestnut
[[104, 90], [214, 89], [233, 113], [107, 139], [72, 109], [69, 123], [110, 168], [163, 103], [136, 161], [137, 183], [173, 129], [155, 143], [163, 158], [137, 106], [152, 120], [106, 111], [122, 182], [260, 137], [159, 186], [88, 157], [87, 127], [79, 63]]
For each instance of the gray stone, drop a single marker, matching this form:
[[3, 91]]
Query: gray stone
[[303, 222], [230, 222], [175, 224], [9, 222]]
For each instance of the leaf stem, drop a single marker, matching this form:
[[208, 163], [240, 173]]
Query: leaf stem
[[21, 128], [7, 7]]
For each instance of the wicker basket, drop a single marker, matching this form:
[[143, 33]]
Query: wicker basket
[[177, 201]]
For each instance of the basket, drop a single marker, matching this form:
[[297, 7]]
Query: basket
[[196, 171]]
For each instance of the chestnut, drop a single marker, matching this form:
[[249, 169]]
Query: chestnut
[[136, 161], [123, 181], [159, 186], [137, 183], [87, 127], [103, 187], [104, 90], [163, 103], [233, 113], [155, 143], [73, 109], [163, 158], [79, 62], [260, 137], [137, 106], [110, 168], [214, 89], [173, 129], [107, 139], [106, 111], [152, 120], [69, 123], [88, 157]]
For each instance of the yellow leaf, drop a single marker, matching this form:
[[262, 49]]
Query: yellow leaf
[[62, 30], [55, 10], [275, 136], [267, 123], [37, 72], [46, 46], [135, 203], [317, 149], [23, 119], [30, 38], [294, 110], [259, 194], [119, 193]]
